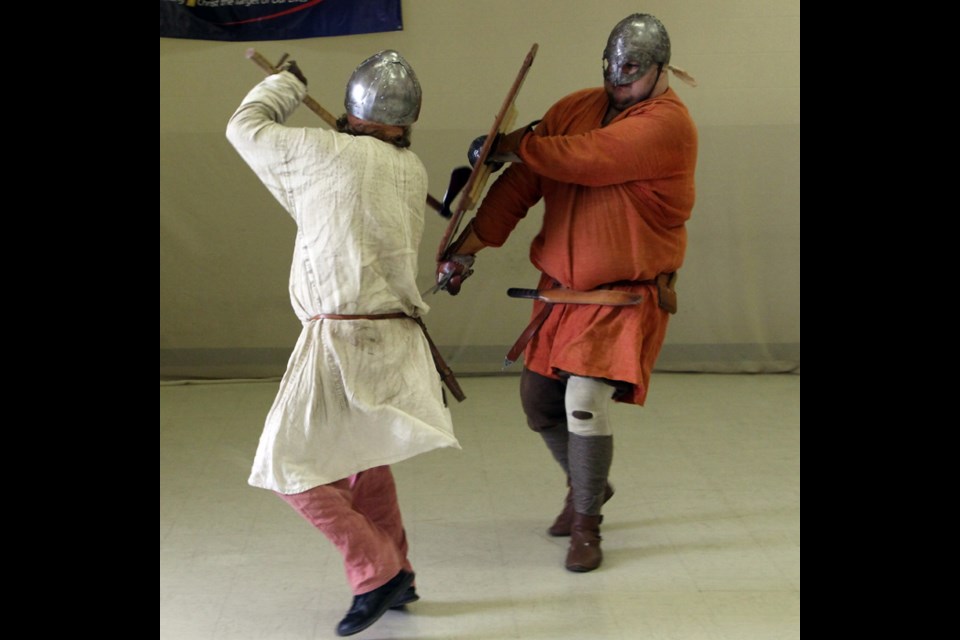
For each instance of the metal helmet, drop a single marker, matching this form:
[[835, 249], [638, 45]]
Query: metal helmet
[[384, 89], [639, 39]]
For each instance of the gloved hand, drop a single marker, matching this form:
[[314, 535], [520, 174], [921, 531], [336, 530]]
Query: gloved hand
[[453, 271], [504, 148], [473, 154], [291, 66], [507, 145]]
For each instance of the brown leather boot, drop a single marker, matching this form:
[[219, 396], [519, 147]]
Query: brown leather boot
[[561, 526], [584, 553]]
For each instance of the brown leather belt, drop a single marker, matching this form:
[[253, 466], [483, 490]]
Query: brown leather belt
[[369, 316], [446, 374], [568, 296]]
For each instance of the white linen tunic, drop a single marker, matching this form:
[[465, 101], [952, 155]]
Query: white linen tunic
[[357, 393]]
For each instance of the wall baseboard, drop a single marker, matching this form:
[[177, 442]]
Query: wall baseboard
[[484, 360]]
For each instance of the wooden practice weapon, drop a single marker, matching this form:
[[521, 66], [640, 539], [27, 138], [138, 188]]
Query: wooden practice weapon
[[473, 189]]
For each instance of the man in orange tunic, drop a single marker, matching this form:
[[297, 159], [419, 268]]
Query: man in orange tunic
[[615, 168]]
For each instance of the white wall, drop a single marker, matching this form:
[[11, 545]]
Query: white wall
[[225, 244]]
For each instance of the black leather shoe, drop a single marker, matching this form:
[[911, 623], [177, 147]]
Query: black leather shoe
[[410, 595], [368, 607]]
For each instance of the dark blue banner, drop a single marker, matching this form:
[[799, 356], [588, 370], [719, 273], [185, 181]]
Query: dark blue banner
[[275, 19]]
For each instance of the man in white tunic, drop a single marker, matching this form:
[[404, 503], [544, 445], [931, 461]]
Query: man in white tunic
[[361, 390]]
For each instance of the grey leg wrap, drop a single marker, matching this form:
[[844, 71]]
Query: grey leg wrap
[[590, 458], [543, 404], [556, 440]]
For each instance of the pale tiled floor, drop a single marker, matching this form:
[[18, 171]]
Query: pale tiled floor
[[701, 540]]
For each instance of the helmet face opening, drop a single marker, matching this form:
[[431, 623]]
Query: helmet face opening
[[637, 43], [384, 89]]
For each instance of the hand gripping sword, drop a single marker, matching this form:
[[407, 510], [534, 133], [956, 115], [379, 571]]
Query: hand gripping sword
[[254, 56]]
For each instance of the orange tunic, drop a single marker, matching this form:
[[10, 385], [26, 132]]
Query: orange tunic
[[616, 199]]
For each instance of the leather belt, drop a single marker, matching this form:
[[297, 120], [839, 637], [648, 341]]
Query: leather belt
[[368, 316], [446, 374], [588, 297]]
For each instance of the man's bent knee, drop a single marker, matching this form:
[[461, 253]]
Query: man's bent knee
[[543, 401], [586, 403]]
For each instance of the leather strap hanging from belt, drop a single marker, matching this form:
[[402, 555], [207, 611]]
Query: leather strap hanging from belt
[[446, 374], [526, 336]]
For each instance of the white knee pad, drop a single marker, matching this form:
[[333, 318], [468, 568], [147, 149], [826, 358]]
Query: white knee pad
[[586, 403]]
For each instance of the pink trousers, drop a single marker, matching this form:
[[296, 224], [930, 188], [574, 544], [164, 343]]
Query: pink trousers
[[361, 516]]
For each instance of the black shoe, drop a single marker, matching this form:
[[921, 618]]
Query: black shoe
[[368, 607], [410, 595]]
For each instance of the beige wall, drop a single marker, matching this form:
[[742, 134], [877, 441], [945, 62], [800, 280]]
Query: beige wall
[[225, 245]]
